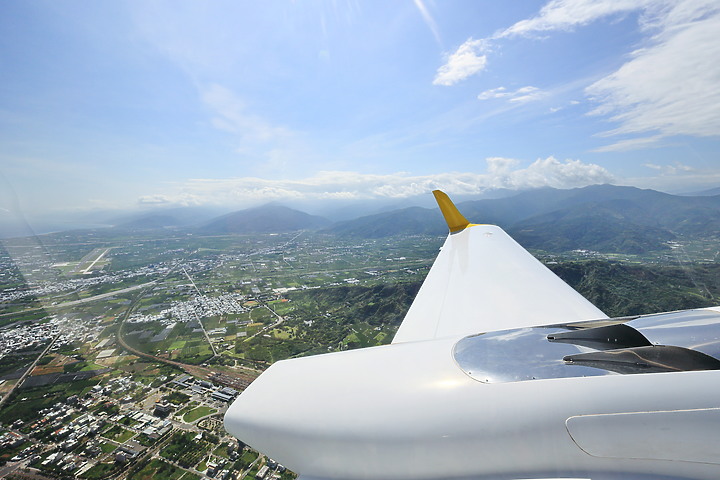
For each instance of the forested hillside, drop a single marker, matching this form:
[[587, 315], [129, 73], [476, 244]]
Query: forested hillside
[[346, 317], [621, 289]]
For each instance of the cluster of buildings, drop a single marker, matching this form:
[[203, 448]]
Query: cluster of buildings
[[70, 435], [32, 336], [48, 288], [76, 434], [203, 387], [73, 438], [197, 307], [116, 386], [270, 465], [215, 470], [57, 419], [27, 337], [152, 427], [10, 440]]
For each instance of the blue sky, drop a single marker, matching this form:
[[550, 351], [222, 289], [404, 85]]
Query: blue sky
[[137, 104]]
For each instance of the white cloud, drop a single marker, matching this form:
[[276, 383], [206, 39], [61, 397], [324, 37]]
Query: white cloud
[[500, 165], [567, 14], [521, 95], [270, 146], [677, 177], [526, 94], [156, 199], [671, 87], [467, 60], [345, 185], [498, 92], [551, 172], [470, 59], [677, 168]]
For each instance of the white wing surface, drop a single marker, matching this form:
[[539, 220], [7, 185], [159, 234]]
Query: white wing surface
[[483, 280]]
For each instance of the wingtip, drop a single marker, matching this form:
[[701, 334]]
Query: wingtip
[[454, 219]]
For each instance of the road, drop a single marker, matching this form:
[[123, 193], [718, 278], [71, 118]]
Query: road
[[279, 321], [11, 467], [194, 370], [78, 302], [207, 337], [28, 371]]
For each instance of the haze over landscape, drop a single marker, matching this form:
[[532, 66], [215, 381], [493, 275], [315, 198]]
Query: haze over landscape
[[129, 106]]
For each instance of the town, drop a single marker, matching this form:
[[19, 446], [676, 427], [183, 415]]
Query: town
[[119, 359], [120, 352]]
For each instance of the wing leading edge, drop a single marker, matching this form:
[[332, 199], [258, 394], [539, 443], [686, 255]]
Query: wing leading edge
[[483, 280]]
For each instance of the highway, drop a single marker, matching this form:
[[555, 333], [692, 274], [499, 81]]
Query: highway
[[28, 371], [80, 301]]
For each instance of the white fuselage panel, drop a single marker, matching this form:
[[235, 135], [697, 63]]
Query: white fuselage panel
[[407, 411]]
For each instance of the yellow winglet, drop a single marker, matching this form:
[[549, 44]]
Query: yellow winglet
[[453, 217]]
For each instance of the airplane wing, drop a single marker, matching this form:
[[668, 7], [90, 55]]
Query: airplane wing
[[545, 402], [483, 280]]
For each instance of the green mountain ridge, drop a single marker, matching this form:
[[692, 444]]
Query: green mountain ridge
[[343, 312], [603, 218]]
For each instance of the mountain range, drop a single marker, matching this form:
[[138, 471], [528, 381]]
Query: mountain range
[[604, 218], [265, 219], [600, 217]]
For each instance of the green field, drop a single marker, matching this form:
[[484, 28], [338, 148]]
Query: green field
[[185, 450], [107, 447], [196, 413], [99, 470], [158, 469], [118, 434]]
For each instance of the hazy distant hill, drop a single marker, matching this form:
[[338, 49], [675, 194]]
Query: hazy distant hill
[[599, 217], [595, 230], [649, 210], [647, 207], [163, 217], [150, 222], [265, 219], [408, 221], [703, 193]]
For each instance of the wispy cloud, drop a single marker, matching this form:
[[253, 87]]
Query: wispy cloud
[[677, 177], [631, 144], [429, 20], [521, 95], [671, 87], [674, 169], [270, 146], [568, 14], [232, 115], [347, 185], [467, 60], [470, 58]]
